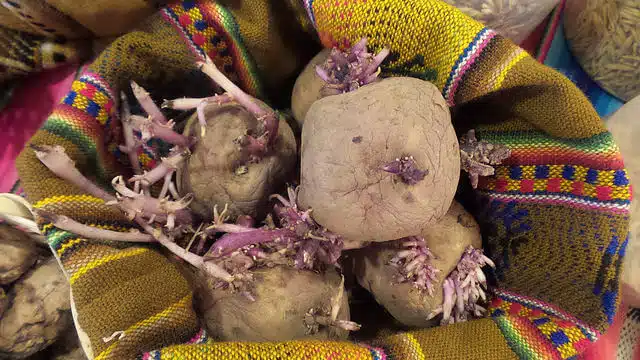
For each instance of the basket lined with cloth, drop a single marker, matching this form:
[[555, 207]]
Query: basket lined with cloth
[[554, 217]]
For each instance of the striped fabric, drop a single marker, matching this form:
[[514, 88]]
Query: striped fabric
[[209, 28], [465, 61], [537, 330]]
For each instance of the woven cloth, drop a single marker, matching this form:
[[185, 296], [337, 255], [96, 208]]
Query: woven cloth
[[554, 218], [22, 53]]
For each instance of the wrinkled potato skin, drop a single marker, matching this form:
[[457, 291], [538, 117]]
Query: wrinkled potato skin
[[347, 138], [447, 239], [39, 312], [283, 297], [210, 175], [18, 251], [306, 90]]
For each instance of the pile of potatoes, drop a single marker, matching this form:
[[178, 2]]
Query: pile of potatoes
[[377, 163], [34, 301]]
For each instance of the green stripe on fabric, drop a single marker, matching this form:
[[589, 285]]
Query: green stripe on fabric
[[598, 142], [230, 24], [62, 128], [57, 237], [515, 340]]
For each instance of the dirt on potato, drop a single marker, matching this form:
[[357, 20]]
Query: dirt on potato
[[447, 240], [19, 253], [39, 311], [307, 88], [213, 172], [348, 138], [283, 296]]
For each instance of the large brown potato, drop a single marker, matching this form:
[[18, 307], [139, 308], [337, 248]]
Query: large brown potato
[[307, 88], [39, 312], [348, 138], [283, 296], [447, 240], [211, 173], [18, 251]]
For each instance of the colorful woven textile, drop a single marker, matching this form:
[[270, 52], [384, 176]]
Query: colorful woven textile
[[555, 216], [22, 53]]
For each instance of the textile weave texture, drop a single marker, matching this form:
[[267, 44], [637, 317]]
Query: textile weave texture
[[555, 216]]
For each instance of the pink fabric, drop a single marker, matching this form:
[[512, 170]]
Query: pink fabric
[[30, 105]]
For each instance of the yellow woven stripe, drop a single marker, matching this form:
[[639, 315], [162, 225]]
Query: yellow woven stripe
[[78, 85], [510, 65], [104, 260], [429, 23], [419, 354], [67, 198], [148, 321], [68, 244]]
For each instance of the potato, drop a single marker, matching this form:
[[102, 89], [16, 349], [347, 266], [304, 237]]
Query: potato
[[214, 175], [283, 296], [307, 88], [447, 240], [351, 144], [39, 312], [67, 347], [19, 253]]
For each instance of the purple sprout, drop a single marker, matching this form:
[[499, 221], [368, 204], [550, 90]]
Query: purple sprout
[[407, 168], [147, 104], [233, 241], [413, 262], [154, 209], [299, 238], [256, 146], [464, 288], [67, 224], [150, 129], [298, 242], [134, 204], [164, 170], [199, 105], [477, 156], [346, 71]]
